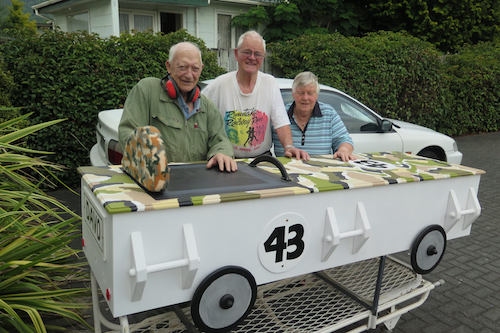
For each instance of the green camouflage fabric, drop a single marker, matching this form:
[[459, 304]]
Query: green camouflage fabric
[[118, 193], [145, 159]]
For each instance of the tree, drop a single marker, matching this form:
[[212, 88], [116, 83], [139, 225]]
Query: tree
[[17, 20], [286, 22], [3, 11], [6, 85], [288, 19], [448, 24], [252, 19]]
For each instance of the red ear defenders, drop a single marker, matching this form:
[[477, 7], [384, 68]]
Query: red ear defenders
[[173, 91]]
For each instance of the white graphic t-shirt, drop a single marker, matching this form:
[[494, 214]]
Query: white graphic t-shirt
[[248, 117]]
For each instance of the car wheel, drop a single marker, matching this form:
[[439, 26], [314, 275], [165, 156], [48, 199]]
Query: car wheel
[[431, 153]]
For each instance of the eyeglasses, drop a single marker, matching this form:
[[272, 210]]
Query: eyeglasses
[[248, 54]]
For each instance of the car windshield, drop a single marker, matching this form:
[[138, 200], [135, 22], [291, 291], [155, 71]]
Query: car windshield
[[355, 117]]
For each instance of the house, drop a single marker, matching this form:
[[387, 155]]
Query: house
[[209, 20]]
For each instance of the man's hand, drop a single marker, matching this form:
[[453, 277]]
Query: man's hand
[[299, 154], [285, 136], [344, 152], [225, 162]]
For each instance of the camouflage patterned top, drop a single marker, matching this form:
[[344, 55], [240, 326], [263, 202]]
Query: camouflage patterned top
[[119, 193]]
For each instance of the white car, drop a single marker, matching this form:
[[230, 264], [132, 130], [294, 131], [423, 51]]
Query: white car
[[369, 131]]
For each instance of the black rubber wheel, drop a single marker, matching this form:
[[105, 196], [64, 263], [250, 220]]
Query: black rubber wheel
[[223, 299], [430, 154], [428, 249]]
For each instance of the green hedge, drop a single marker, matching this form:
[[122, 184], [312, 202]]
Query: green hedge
[[75, 75], [473, 80], [6, 86], [403, 77]]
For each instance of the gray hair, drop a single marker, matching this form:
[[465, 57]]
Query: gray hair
[[173, 49], [304, 79], [251, 33]]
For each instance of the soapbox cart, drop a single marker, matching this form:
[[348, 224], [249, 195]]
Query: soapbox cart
[[238, 251]]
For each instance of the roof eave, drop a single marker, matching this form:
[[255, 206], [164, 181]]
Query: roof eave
[[47, 6]]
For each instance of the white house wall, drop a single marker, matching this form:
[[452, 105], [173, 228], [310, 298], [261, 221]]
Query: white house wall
[[189, 22], [60, 21], [198, 21], [101, 20], [61, 17], [201, 22]]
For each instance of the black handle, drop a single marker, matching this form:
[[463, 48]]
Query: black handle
[[273, 160]]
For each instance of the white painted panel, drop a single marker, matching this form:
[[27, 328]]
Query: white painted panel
[[101, 19], [206, 26], [60, 21], [103, 32], [190, 21]]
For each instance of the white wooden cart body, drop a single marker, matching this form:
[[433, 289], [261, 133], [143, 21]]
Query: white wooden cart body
[[157, 257]]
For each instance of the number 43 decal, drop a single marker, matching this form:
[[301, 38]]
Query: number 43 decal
[[283, 242], [276, 242]]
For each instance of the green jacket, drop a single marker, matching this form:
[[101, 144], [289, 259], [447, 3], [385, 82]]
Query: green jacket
[[197, 139]]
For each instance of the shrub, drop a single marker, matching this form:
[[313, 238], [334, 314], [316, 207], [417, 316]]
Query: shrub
[[473, 75], [393, 73], [6, 86], [36, 263], [447, 24], [76, 75]]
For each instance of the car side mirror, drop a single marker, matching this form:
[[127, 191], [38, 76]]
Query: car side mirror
[[386, 125]]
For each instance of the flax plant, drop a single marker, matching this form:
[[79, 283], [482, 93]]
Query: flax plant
[[37, 265]]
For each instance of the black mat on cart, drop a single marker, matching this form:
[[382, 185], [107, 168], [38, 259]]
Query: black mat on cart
[[190, 180]]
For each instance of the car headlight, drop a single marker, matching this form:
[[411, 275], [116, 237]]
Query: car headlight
[[455, 146]]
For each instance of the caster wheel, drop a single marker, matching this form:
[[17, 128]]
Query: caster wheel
[[223, 299], [428, 249]]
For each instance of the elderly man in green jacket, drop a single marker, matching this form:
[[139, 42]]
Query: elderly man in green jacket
[[191, 126]]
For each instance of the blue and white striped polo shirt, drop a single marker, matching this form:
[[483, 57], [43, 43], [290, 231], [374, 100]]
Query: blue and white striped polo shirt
[[323, 134]]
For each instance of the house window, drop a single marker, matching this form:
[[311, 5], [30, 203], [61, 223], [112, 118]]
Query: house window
[[124, 22], [143, 22], [170, 22], [138, 22], [78, 22]]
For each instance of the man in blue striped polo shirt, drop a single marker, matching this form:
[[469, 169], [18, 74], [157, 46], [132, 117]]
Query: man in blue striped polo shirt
[[316, 127]]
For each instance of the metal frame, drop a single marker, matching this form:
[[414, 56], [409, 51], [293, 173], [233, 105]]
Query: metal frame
[[368, 306]]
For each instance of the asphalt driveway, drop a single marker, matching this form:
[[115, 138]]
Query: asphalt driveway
[[469, 301]]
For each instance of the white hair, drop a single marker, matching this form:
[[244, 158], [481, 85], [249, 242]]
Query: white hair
[[251, 33], [173, 49], [304, 79]]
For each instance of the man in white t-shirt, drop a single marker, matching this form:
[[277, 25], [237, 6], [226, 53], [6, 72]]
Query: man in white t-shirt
[[250, 102]]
